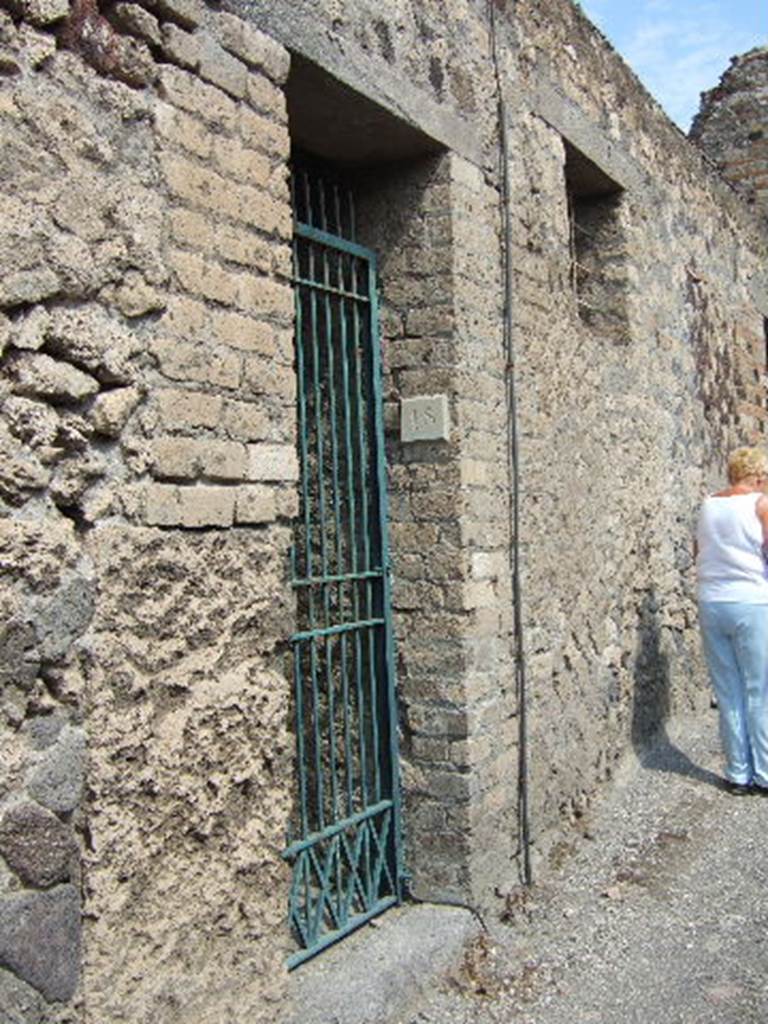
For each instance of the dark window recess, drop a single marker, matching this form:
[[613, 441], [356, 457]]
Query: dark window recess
[[322, 197], [598, 248]]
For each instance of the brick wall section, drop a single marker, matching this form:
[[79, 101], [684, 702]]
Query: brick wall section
[[408, 214], [449, 516], [731, 126], [481, 413], [227, 334]]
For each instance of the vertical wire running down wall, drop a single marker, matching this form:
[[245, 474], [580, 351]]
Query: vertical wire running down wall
[[345, 842], [513, 466]]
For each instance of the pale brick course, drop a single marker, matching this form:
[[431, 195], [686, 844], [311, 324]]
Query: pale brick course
[[245, 333], [185, 318], [287, 503], [263, 134], [192, 229], [181, 410], [191, 181], [191, 507], [263, 211], [183, 130], [207, 506], [175, 457], [263, 294], [184, 90], [254, 47], [241, 162], [161, 505], [255, 504], [223, 460], [222, 69], [138, 22], [246, 421], [263, 377], [183, 48], [188, 13], [267, 98], [198, 363], [236, 245], [198, 276], [273, 462]]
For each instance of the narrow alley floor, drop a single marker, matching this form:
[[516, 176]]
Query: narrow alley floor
[[656, 912]]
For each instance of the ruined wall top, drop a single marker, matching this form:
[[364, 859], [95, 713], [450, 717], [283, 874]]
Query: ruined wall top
[[732, 126]]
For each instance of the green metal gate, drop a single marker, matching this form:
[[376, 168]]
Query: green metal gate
[[345, 842]]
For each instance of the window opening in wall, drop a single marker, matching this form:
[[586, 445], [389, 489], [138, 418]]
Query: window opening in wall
[[322, 199], [597, 243], [345, 844]]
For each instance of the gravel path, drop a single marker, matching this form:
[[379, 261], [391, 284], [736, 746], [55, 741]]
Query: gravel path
[[659, 917]]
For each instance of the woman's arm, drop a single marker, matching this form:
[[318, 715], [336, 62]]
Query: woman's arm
[[762, 514]]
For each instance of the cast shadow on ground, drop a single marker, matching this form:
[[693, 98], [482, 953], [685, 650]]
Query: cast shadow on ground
[[651, 704]]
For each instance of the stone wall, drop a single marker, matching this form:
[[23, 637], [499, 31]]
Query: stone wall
[[624, 413], [730, 126], [48, 601], [147, 484], [148, 478], [623, 426]]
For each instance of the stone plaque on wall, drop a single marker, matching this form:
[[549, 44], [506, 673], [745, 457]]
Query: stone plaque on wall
[[424, 418]]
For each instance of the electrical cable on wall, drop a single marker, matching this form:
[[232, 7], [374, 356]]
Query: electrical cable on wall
[[513, 466]]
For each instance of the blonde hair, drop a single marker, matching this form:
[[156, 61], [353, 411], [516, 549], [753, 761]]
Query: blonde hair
[[746, 462]]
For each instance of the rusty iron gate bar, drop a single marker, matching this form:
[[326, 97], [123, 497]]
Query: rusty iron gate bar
[[345, 843]]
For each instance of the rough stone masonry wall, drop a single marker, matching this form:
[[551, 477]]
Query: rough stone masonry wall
[[622, 428], [149, 467], [147, 473], [731, 126]]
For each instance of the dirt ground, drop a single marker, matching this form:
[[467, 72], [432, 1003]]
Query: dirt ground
[[656, 913]]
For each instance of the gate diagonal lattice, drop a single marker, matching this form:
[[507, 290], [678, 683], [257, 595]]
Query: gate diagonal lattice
[[345, 843]]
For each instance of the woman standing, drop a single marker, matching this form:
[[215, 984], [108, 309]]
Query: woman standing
[[732, 541]]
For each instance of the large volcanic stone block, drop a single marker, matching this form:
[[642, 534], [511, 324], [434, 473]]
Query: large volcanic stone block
[[36, 845], [21, 1004], [40, 939], [56, 781]]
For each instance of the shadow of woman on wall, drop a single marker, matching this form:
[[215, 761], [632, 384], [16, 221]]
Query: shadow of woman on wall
[[652, 703]]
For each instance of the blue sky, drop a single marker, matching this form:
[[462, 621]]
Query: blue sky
[[679, 48]]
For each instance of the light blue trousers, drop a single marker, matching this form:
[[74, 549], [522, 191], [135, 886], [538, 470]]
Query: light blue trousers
[[735, 639]]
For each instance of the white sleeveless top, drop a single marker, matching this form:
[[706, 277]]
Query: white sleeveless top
[[731, 566]]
